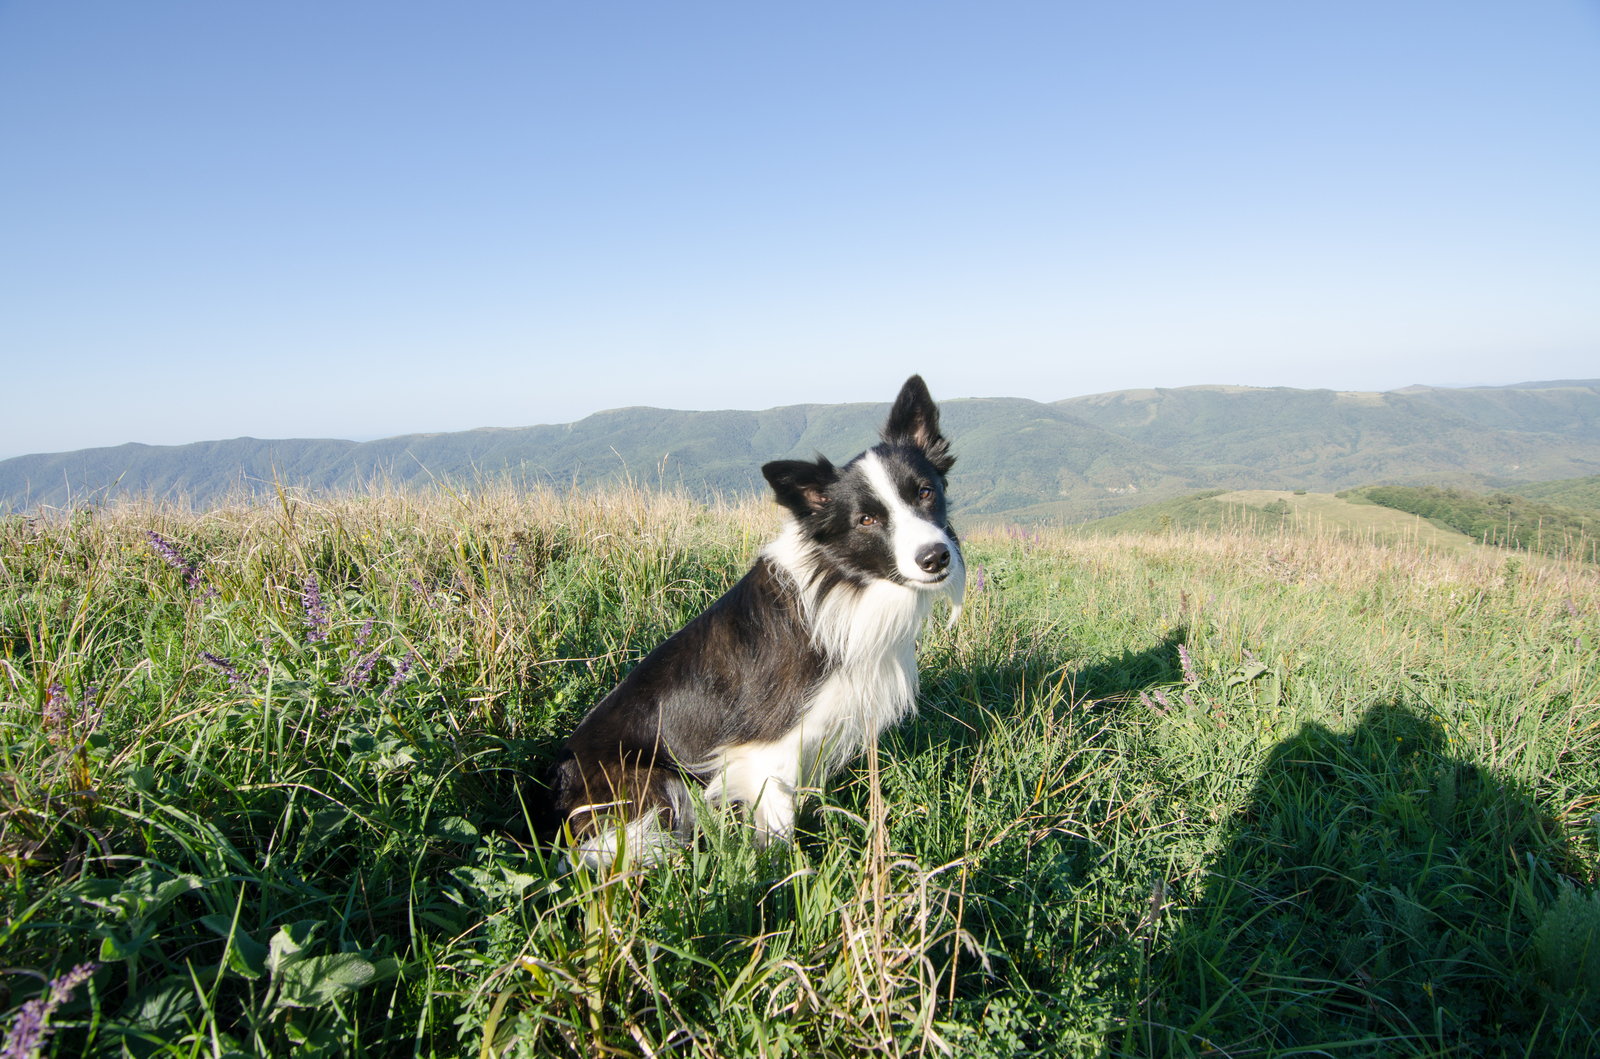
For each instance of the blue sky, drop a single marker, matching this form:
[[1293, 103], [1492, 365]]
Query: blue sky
[[356, 220]]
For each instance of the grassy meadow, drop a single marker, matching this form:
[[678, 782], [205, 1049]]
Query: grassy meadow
[[1350, 517], [272, 770]]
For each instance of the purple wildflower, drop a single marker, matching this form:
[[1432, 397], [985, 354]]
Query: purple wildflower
[[61, 989], [401, 671], [1572, 609], [225, 665], [361, 672], [978, 585], [361, 668], [32, 1026], [316, 613], [55, 712], [172, 557], [58, 718], [1161, 697], [168, 551], [27, 1033], [1250, 655], [1144, 697], [1189, 675]]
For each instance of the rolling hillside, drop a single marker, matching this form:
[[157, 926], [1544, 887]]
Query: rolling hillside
[[1323, 439], [1269, 508], [1083, 458], [1583, 493], [1011, 451]]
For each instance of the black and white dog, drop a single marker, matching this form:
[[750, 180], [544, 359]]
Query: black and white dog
[[791, 673]]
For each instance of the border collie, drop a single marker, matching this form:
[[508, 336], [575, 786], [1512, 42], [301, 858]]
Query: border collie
[[791, 673]]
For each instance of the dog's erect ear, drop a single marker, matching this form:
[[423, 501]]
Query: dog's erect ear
[[914, 421], [801, 485]]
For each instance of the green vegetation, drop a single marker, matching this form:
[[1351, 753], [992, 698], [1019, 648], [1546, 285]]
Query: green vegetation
[[1580, 493], [1184, 512], [1326, 440], [1085, 458], [1196, 793], [1563, 406], [1349, 515], [1502, 519]]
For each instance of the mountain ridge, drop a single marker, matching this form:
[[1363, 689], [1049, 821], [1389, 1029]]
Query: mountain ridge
[[1082, 457]]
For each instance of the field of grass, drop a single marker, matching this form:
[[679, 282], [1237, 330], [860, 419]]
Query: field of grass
[[1351, 517], [270, 771]]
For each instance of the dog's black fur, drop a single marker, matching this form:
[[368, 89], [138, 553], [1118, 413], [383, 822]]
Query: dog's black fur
[[791, 645]]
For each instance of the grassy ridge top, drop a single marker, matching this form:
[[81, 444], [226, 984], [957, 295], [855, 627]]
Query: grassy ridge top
[[1501, 518], [1084, 458], [270, 768], [1257, 510]]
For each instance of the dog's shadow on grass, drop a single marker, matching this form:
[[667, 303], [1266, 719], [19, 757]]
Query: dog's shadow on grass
[[1377, 886], [959, 701]]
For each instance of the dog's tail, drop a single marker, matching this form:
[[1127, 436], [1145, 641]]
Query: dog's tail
[[635, 814]]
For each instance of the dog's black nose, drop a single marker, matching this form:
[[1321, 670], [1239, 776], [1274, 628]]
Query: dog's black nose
[[933, 558]]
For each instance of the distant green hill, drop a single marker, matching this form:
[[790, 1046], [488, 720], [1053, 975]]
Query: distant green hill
[[1569, 406], [1581, 493], [1447, 518], [1010, 452], [1499, 518], [1085, 458], [1268, 509], [1322, 439]]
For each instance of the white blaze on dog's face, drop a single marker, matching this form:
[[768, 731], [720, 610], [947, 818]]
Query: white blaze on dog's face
[[923, 553]]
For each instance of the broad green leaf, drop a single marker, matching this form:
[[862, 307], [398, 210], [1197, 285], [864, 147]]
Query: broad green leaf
[[168, 892], [313, 982], [246, 955], [162, 1005], [288, 945], [1246, 673], [385, 969], [324, 826], [115, 948], [454, 829]]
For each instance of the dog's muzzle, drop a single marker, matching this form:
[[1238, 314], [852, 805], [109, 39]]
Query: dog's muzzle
[[933, 558]]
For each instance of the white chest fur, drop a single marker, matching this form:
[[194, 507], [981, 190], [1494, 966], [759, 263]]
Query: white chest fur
[[869, 636]]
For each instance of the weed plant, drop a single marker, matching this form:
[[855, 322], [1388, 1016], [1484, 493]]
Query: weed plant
[[272, 771]]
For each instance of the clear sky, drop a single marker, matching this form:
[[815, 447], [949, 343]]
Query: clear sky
[[360, 219]]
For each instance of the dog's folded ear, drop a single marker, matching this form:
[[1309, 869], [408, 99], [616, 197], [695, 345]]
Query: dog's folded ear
[[801, 485], [914, 422]]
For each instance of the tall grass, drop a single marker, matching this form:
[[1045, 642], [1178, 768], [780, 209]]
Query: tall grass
[[1356, 814]]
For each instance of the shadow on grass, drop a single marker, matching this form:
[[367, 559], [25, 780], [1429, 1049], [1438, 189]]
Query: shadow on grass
[[1378, 892], [955, 699]]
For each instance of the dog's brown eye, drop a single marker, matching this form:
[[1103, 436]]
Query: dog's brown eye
[[925, 494], [868, 520]]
